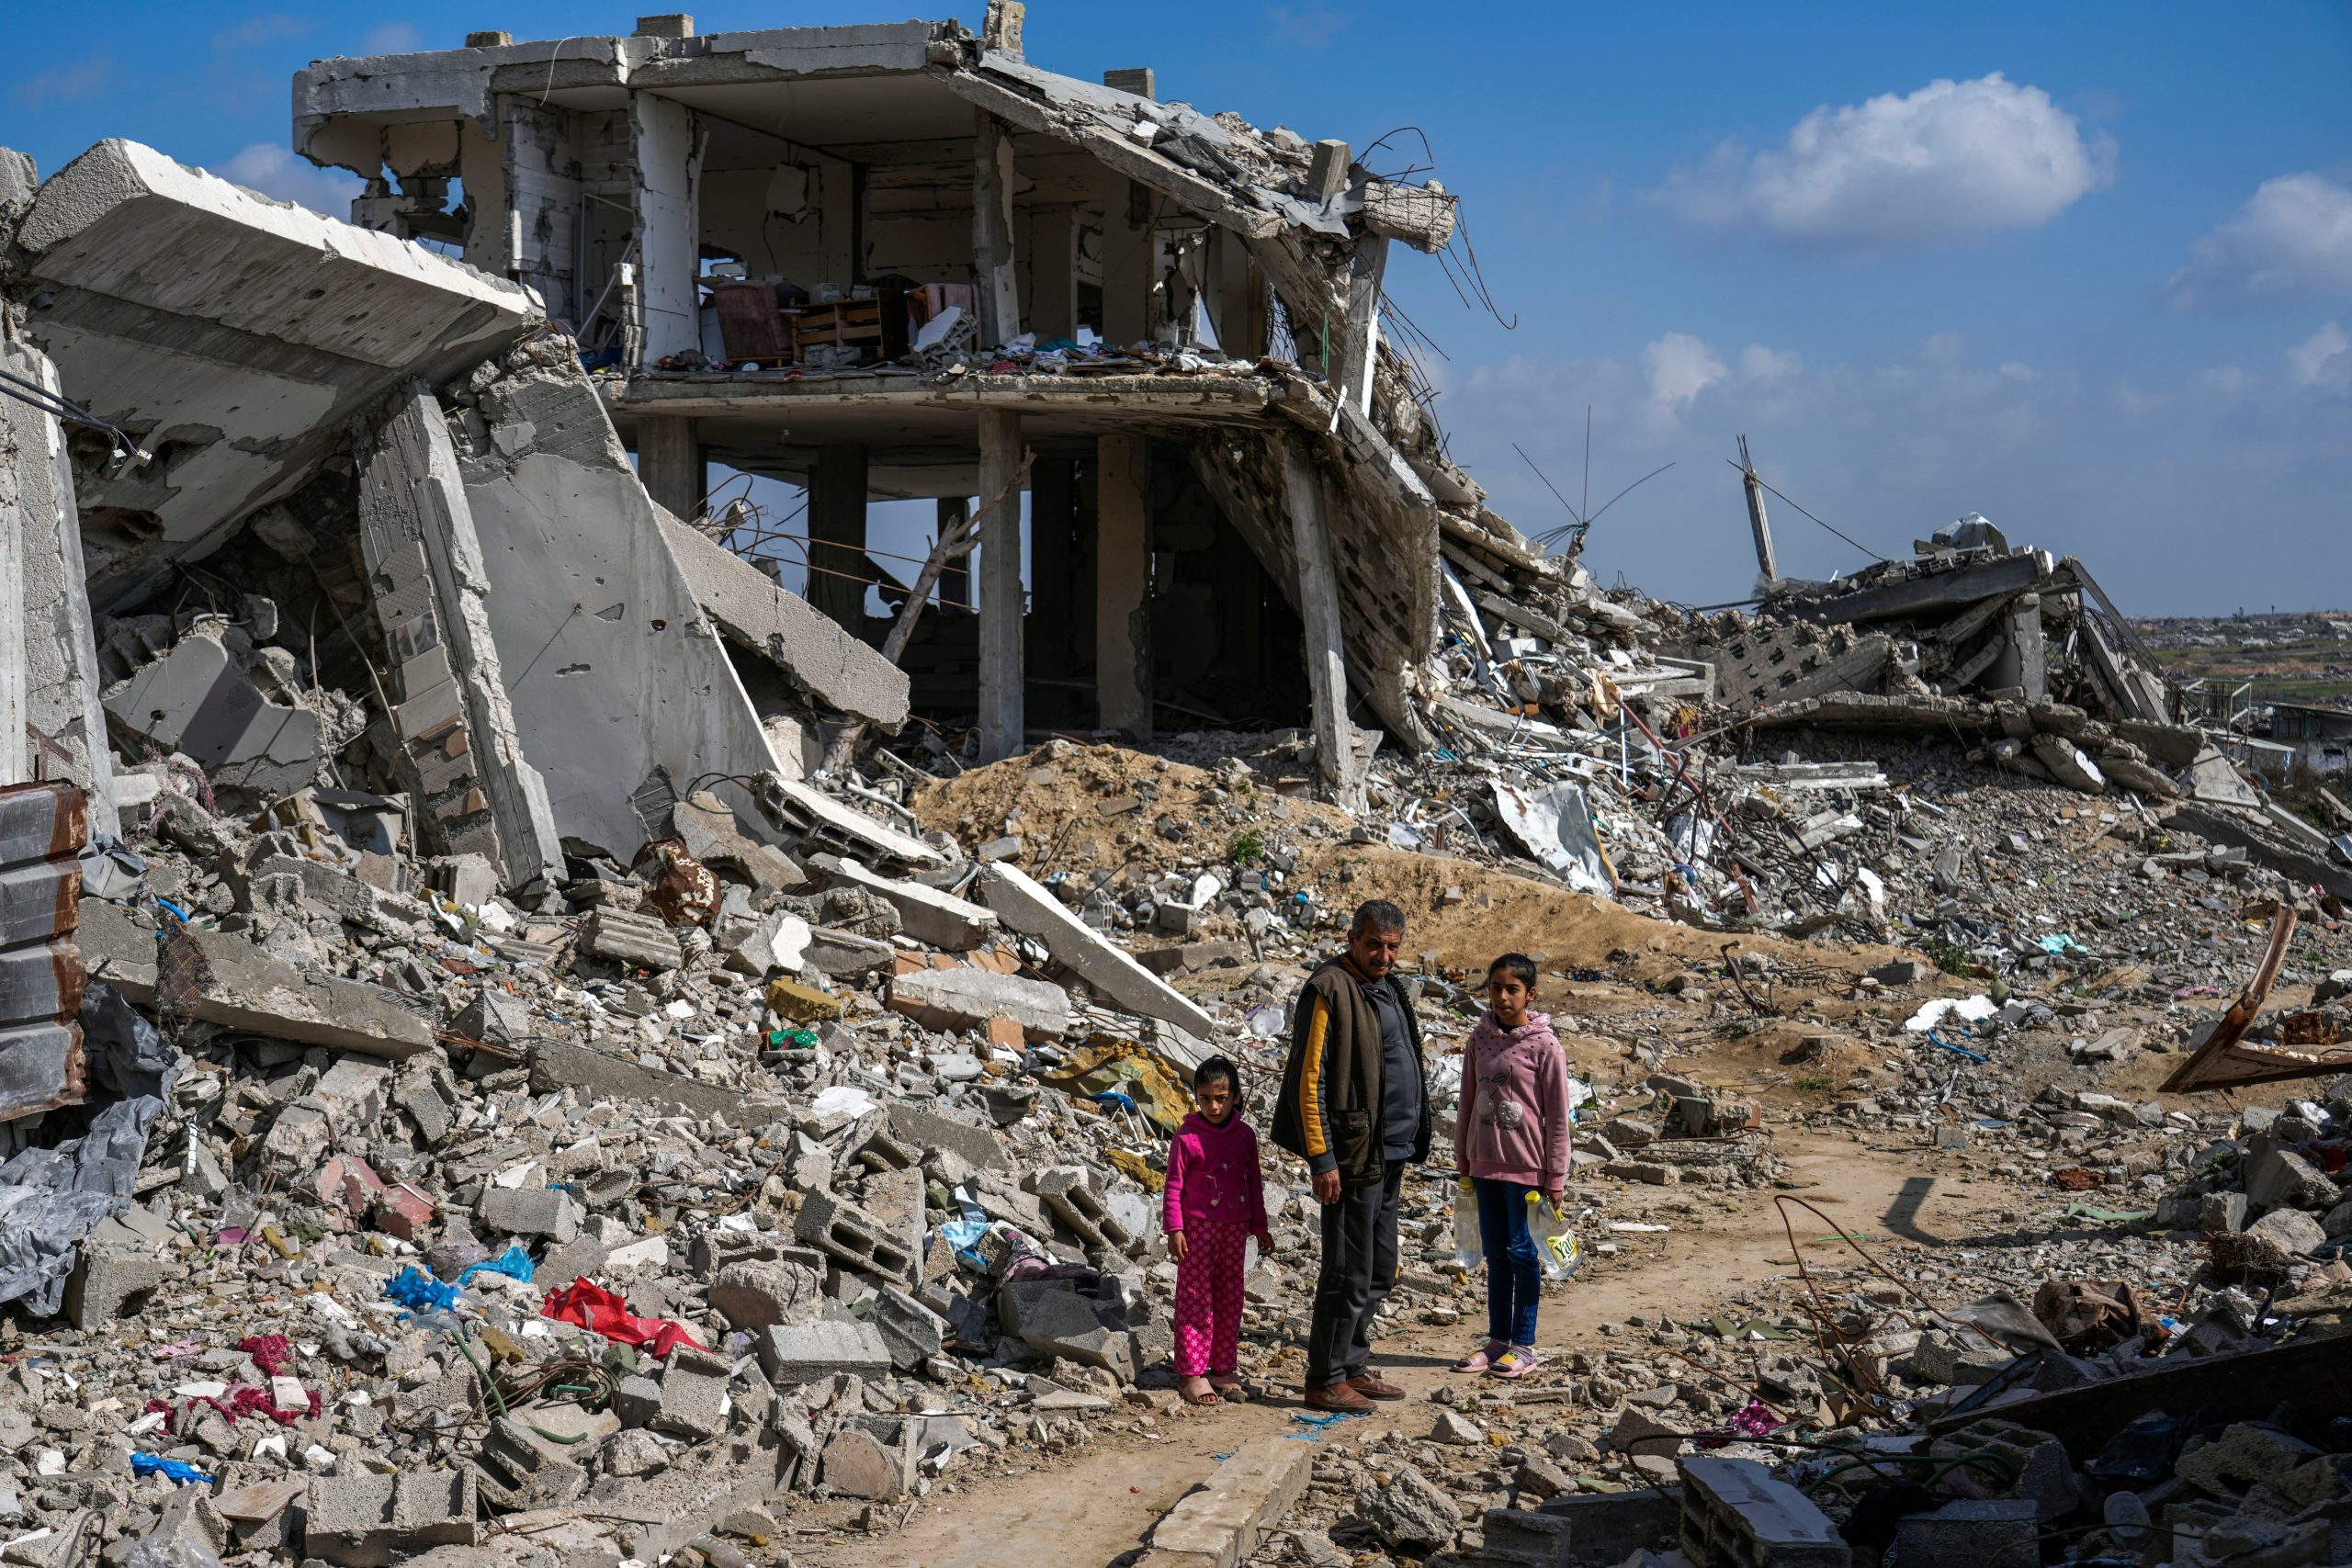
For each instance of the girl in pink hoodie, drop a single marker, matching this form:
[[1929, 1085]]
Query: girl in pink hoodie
[[1510, 1138], [1214, 1201]]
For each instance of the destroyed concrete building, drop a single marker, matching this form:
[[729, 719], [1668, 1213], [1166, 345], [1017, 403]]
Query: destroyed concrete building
[[894, 262], [520, 1041]]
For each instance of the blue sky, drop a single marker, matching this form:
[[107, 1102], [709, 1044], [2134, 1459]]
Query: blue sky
[[2086, 269]]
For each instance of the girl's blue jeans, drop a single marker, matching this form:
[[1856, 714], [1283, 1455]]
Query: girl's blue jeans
[[1514, 1272]]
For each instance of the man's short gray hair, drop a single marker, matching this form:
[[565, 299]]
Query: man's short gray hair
[[1379, 915]]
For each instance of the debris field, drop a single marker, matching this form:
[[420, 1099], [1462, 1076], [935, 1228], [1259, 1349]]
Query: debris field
[[524, 1040]]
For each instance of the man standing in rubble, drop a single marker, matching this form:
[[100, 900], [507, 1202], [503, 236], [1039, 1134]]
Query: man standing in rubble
[[1355, 1108]]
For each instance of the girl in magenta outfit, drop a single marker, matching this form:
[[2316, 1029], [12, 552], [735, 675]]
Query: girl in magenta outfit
[[1510, 1138], [1213, 1203]]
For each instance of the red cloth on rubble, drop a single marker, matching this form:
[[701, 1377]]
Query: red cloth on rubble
[[600, 1312]]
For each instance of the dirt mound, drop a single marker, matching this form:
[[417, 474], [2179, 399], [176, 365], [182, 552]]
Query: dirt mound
[[1087, 808]]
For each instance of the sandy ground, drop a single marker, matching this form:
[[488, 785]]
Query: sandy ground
[[1098, 1507]]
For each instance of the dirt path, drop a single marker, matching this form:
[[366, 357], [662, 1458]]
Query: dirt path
[[1096, 1509]]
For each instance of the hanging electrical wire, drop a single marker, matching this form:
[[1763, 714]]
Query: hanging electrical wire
[[34, 395]]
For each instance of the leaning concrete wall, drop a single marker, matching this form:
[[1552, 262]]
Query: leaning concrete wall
[[613, 670]]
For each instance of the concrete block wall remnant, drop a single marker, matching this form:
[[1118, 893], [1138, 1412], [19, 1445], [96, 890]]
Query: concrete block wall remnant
[[475, 791], [1737, 1514]]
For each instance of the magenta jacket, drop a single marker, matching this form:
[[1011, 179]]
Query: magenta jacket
[[1213, 1174], [1513, 1121]]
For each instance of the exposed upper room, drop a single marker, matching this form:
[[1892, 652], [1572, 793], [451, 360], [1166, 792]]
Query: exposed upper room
[[627, 179]]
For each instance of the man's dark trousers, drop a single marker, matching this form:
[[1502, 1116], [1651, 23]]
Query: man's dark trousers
[[1359, 1270]]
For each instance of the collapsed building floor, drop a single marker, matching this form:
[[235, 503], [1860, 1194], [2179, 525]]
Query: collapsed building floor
[[523, 1040]]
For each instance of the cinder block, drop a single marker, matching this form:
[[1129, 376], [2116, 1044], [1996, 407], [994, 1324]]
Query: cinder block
[[796, 1353], [1736, 1514], [373, 1521], [839, 1227]]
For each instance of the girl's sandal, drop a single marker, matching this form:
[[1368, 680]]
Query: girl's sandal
[[1515, 1362], [1478, 1360], [1206, 1395]]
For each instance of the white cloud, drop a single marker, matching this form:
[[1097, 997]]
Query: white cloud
[[2017, 370], [1681, 367], [1953, 160], [65, 83], [2229, 381], [1310, 27], [2324, 360], [271, 26], [2292, 239], [1942, 349], [391, 38], [276, 172], [1758, 363]]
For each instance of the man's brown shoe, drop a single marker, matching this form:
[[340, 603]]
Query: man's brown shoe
[[1340, 1398], [1371, 1385]]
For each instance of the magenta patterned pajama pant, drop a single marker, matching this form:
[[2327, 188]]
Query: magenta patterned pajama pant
[[1208, 1299]]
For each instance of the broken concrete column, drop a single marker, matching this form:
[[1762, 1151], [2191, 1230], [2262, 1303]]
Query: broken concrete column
[[666, 144], [838, 568], [670, 462], [49, 659], [1319, 608], [461, 758], [1002, 724], [931, 916], [616, 678], [1122, 587], [996, 288], [1129, 251]]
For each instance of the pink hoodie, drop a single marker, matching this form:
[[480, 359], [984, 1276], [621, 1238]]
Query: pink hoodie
[[1213, 1174], [1513, 1121]]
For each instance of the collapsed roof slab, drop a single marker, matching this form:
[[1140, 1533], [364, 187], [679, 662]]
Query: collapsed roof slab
[[238, 372]]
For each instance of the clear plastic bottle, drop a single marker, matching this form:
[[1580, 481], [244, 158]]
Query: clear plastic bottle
[[1469, 1243], [1556, 1246]]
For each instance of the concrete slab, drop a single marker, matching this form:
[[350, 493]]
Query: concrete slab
[[757, 614], [616, 677], [1219, 1526], [931, 916], [1027, 905], [222, 978], [240, 373]]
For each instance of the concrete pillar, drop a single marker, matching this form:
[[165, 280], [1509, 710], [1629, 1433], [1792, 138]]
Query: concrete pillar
[[1122, 586], [956, 579], [1052, 258], [1128, 247], [46, 636], [1053, 539], [461, 755], [1357, 348], [1319, 608], [1236, 295], [670, 465], [2024, 661], [838, 568], [668, 147], [1003, 725], [996, 288]]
